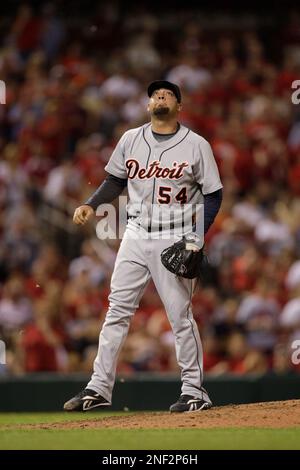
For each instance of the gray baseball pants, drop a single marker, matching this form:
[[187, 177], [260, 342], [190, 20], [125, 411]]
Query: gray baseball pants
[[138, 261]]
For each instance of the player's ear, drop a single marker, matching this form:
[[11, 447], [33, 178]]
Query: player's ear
[[179, 107]]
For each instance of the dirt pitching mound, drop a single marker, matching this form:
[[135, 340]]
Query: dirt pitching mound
[[280, 414]]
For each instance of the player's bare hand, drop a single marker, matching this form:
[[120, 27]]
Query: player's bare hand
[[82, 214]]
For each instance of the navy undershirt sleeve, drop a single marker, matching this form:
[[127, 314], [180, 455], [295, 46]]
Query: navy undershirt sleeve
[[212, 204], [109, 190]]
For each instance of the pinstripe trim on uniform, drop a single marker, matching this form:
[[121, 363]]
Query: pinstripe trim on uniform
[[193, 332], [147, 163], [142, 292], [145, 127], [175, 145], [160, 157]]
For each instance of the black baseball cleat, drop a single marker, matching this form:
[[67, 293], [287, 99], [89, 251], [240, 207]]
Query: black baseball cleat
[[189, 403], [85, 400]]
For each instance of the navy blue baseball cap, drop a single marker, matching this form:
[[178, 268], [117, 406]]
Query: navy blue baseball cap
[[164, 84]]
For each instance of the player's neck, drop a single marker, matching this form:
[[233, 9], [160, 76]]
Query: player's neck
[[164, 127]]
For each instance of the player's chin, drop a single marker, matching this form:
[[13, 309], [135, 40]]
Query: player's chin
[[161, 111]]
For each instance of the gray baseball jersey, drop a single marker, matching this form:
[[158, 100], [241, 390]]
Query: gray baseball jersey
[[164, 177], [160, 174]]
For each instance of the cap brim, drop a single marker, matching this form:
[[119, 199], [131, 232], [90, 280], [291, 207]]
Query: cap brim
[[158, 84]]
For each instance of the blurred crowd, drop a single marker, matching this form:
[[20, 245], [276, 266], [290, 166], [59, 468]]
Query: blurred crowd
[[74, 84]]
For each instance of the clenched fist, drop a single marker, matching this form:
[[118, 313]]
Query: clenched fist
[[82, 214]]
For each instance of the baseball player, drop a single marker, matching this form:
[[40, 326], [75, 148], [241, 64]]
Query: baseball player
[[167, 169]]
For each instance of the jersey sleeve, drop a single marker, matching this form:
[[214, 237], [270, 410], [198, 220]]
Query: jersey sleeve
[[116, 163], [205, 169]]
